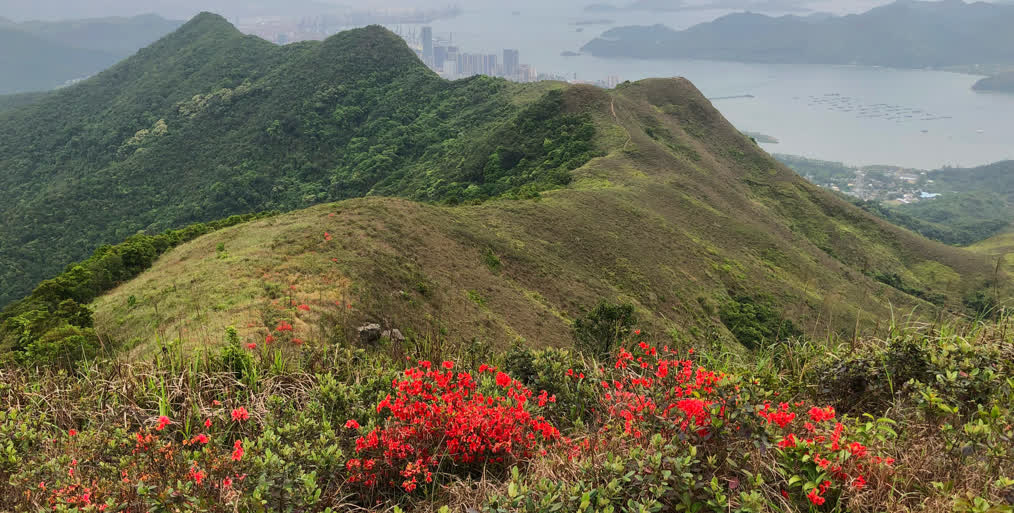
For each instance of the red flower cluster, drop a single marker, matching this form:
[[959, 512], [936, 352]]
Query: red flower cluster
[[237, 450], [821, 443], [284, 326], [240, 414], [438, 413], [659, 393]]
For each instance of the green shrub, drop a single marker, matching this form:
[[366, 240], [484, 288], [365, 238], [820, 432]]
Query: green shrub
[[599, 332], [560, 373], [63, 346], [983, 304], [754, 322]]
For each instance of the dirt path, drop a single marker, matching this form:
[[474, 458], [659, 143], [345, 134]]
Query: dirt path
[[612, 108]]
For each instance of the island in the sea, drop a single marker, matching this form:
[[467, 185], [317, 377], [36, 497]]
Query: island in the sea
[[1003, 83], [905, 34]]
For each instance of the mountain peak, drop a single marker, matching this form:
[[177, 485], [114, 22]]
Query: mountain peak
[[207, 22]]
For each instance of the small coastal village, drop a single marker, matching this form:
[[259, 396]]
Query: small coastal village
[[892, 185]]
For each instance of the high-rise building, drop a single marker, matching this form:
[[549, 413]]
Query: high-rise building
[[491, 64], [439, 57], [427, 43], [452, 57], [511, 63], [526, 73]]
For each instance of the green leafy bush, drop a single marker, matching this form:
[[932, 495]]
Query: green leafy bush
[[599, 332], [754, 322]]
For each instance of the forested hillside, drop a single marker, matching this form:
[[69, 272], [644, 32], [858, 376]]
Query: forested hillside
[[208, 122]]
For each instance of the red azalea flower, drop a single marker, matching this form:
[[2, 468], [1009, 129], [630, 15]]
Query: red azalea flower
[[304, 307], [448, 365], [502, 379], [240, 414], [163, 421], [251, 346], [815, 497], [352, 424], [857, 449], [237, 450], [207, 423], [72, 432]]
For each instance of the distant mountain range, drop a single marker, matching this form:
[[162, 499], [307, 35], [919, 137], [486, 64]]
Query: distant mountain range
[[37, 55], [1004, 82], [905, 34], [175, 9], [680, 5]]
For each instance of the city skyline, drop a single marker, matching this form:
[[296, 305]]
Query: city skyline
[[447, 59]]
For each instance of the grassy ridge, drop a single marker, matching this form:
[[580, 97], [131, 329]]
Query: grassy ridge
[[682, 218]]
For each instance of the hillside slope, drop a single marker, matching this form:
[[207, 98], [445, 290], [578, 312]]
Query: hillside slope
[[208, 123], [905, 34], [38, 55], [681, 216], [32, 63]]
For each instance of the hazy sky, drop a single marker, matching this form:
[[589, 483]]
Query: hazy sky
[[20, 10]]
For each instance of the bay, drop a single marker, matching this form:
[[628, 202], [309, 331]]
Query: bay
[[852, 114]]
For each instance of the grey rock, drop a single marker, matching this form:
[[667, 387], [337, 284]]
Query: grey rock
[[369, 333]]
